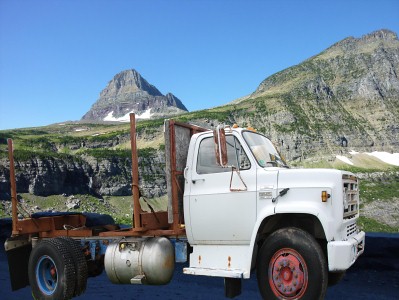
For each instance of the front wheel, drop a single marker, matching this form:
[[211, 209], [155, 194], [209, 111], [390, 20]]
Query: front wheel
[[291, 265]]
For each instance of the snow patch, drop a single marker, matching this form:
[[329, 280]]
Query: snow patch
[[126, 118], [80, 129], [145, 115], [344, 159], [97, 134], [389, 158]]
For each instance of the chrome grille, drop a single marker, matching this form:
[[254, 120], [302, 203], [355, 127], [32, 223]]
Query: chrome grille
[[350, 196]]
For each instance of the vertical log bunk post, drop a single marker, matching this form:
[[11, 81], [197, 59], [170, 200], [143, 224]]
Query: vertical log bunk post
[[14, 209], [135, 174], [175, 196]]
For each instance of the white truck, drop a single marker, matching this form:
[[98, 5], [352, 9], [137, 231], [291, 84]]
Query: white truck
[[234, 207]]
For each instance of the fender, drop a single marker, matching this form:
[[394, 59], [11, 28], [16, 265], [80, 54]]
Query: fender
[[308, 201], [288, 206], [262, 215]]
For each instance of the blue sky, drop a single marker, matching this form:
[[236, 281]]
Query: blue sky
[[56, 56]]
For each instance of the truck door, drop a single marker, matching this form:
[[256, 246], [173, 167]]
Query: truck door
[[219, 215]]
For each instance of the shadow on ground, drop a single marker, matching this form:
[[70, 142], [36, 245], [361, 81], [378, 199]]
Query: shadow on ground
[[374, 276]]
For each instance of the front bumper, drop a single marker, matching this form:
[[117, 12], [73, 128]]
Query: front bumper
[[342, 254]]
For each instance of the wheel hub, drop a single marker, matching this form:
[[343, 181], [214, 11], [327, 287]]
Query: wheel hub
[[288, 274], [53, 272], [46, 275]]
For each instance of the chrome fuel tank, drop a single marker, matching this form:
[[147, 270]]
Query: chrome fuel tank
[[140, 261]]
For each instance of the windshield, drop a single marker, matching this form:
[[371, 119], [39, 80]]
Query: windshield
[[263, 150]]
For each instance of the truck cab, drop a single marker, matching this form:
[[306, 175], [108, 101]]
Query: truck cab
[[297, 227]]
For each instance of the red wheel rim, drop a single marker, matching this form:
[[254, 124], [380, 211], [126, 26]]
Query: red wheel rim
[[288, 274]]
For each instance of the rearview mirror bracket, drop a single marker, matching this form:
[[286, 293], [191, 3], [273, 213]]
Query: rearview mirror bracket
[[219, 135]]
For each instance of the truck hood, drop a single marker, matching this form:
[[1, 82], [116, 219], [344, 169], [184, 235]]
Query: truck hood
[[300, 178]]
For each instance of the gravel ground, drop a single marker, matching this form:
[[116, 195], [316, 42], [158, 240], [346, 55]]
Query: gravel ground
[[384, 211]]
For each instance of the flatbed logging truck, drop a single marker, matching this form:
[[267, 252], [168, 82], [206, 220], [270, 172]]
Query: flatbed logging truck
[[234, 207]]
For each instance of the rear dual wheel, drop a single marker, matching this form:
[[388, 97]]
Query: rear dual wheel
[[51, 271], [291, 265], [80, 264], [56, 270]]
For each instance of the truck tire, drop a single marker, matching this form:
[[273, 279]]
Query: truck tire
[[291, 265], [80, 264], [51, 271]]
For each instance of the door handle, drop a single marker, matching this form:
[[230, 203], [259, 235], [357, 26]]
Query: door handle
[[185, 172], [198, 179]]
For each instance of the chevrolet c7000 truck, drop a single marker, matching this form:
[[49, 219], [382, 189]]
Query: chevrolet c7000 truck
[[234, 207]]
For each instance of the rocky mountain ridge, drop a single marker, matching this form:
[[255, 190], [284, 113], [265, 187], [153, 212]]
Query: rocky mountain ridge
[[129, 92], [365, 67], [348, 92]]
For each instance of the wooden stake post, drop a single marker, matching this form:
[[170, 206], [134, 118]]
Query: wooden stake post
[[14, 210]]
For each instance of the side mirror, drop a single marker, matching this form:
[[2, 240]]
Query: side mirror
[[219, 136]]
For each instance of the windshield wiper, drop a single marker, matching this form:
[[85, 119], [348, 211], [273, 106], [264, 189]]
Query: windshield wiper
[[277, 163]]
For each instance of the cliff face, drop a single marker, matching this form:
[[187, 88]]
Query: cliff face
[[129, 92], [87, 175]]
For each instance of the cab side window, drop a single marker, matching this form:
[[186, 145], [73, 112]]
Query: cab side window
[[206, 162]]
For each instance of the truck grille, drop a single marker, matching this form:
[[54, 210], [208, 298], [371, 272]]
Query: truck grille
[[350, 196], [351, 229]]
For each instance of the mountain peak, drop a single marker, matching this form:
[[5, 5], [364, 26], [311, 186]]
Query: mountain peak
[[129, 81], [382, 34], [174, 101], [129, 92], [367, 40]]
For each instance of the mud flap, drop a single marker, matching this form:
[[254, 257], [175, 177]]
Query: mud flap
[[18, 253], [232, 287]]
